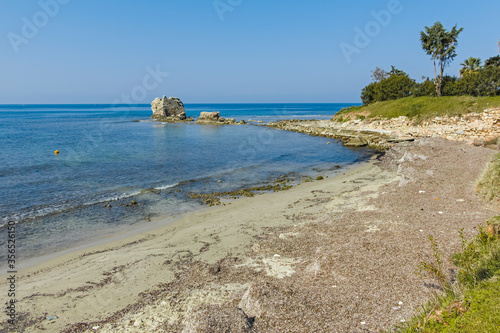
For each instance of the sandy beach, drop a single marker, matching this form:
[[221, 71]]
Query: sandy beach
[[334, 255]]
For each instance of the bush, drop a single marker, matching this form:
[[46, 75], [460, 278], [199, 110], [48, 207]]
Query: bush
[[397, 85], [426, 88]]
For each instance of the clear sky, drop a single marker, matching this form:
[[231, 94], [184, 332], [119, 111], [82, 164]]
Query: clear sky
[[223, 51]]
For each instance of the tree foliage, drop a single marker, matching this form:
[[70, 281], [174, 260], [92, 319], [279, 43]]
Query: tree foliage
[[492, 62], [425, 88], [470, 66], [379, 74], [440, 44], [474, 80], [397, 84]]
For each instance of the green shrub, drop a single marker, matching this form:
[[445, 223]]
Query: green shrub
[[477, 307], [425, 88], [397, 85]]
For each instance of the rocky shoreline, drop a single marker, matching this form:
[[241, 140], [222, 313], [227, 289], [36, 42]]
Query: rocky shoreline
[[479, 129]]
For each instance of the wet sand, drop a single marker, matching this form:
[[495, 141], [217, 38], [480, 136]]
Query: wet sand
[[335, 255]]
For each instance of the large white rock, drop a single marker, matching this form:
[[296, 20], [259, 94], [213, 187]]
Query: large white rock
[[168, 107]]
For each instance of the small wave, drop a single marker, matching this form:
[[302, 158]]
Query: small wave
[[164, 187], [108, 199], [42, 211]]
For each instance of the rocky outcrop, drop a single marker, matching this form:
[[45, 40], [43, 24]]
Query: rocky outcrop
[[375, 139], [168, 109], [214, 118], [480, 129]]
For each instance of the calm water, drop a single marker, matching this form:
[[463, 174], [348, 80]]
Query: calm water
[[109, 154]]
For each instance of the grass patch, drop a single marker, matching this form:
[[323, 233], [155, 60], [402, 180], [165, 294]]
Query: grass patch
[[478, 310], [489, 184], [422, 108], [475, 304]]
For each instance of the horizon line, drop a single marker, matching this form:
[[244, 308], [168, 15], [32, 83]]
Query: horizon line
[[142, 104]]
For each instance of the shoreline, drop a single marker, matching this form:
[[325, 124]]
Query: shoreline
[[338, 231], [55, 266], [159, 223], [478, 129], [121, 233]]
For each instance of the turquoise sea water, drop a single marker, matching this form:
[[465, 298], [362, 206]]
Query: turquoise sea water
[[109, 154]]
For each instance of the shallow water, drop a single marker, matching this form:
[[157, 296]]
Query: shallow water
[[110, 154]]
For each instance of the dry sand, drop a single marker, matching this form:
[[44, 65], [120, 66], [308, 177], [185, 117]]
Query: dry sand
[[337, 255]]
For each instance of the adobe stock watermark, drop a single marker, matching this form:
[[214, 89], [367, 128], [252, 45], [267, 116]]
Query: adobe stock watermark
[[363, 37], [30, 28], [223, 6]]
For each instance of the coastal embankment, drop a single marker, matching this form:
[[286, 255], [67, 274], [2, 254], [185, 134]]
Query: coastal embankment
[[334, 255], [357, 130]]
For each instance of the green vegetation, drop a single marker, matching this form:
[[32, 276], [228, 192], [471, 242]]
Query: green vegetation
[[470, 66], [420, 108], [397, 84], [475, 305], [472, 304], [441, 45], [477, 310], [475, 79], [489, 185]]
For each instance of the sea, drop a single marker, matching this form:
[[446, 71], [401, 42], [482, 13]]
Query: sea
[[111, 155]]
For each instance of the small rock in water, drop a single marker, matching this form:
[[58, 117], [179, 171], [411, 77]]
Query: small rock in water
[[133, 202]]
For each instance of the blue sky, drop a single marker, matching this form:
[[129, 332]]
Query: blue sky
[[222, 51]]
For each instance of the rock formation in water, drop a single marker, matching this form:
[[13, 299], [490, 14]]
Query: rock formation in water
[[168, 109], [214, 118]]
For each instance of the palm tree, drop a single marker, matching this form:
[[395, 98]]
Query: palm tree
[[470, 66]]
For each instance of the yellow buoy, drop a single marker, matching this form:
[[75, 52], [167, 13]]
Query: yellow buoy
[[56, 152]]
